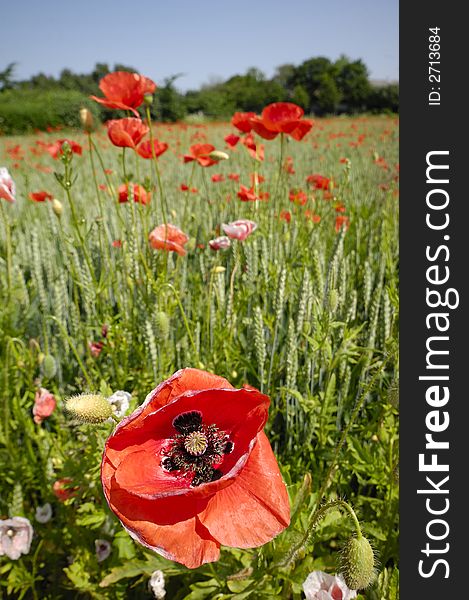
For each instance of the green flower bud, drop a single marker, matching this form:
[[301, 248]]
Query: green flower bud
[[89, 408], [357, 563], [49, 366]]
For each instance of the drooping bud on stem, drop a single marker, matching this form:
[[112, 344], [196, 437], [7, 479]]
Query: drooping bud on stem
[[89, 408], [86, 119], [357, 563], [218, 155]]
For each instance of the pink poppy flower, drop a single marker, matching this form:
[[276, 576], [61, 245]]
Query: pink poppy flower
[[44, 405], [321, 586], [7, 186], [239, 230], [220, 243], [16, 535]]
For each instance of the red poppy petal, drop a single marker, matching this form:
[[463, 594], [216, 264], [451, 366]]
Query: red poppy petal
[[255, 508], [301, 129], [281, 112], [260, 128], [113, 104], [166, 524]]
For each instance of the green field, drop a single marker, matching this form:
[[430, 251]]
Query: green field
[[305, 309]]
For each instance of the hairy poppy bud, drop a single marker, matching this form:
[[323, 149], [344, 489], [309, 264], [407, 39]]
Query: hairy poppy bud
[[57, 207], [148, 99], [358, 563], [86, 119], [89, 408], [218, 155], [49, 366]]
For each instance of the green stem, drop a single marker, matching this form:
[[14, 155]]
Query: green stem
[[74, 350], [184, 318], [8, 248]]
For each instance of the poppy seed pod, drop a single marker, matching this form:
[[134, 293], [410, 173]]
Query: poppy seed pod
[[357, 563], [89, 408]]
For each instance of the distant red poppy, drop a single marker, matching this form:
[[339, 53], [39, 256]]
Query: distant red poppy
[[168, 237], [312, 216], [285, 215], [56, 149], [218, 178], [281, 117], [117, 244], [255, 150], [233, 176], [126, 133], [247, 195], [319, 182], [124, 91], [145, 151], [288, 166], [298, 197], [242, 121], [341, 221], [200, 153], [140, 194], [231, 139], [63, 490], [40, 196], [191, 469]]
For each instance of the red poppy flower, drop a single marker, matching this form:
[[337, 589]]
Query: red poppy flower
[[126, 133], [242, 121], [201, 153], [298, 197], [44, 405], [145, 151], [341, 221], [168, 237], [141, 196], [56, 149], [233, 176], [124, 91], [285, 215], [218, 178], [117, 244], [40, 196], [281, 117], [319, 182], [191, 469], [232, 139], [312, 216], [220, 243], [247, 195], [63, 490], [256, 151]]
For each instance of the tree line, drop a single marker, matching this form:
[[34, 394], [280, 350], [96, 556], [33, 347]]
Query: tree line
[[320, 86]]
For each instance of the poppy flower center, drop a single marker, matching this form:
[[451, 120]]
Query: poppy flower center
[[196, 449]]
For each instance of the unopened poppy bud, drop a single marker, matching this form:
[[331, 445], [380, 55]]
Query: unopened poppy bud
[[89, 408], [162, 323], [148, 99], [218, 155], [358, 563], [57, 207], [49, 366], [86, 119], [218, 269]]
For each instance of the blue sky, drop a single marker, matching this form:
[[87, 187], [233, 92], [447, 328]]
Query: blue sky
[[204, 39]]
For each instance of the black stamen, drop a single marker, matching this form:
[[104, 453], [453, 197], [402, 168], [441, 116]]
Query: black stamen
[[228, 447], [188, 422]]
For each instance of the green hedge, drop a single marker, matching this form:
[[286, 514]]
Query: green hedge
[[25, 110]]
